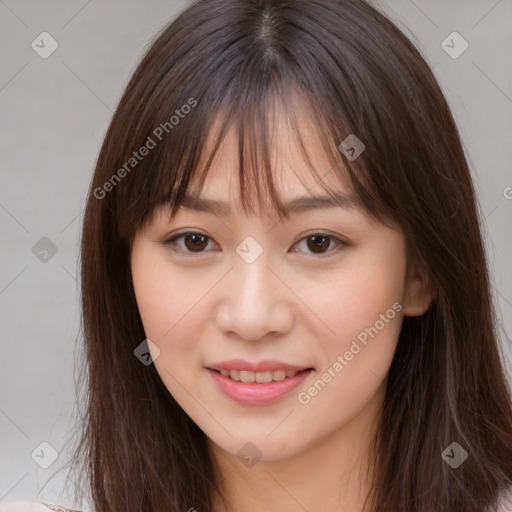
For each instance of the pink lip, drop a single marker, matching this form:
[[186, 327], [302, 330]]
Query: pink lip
[[262, 366], [254, 393]]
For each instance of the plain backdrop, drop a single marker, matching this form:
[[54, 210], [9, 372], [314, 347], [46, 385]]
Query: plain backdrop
[[54, 112]]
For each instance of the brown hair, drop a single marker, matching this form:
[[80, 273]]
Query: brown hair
[[234, 60]]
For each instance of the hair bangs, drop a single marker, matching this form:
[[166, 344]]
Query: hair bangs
[[182, 165]]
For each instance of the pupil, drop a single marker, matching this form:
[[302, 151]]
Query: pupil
[[198, 242], [321, 245]]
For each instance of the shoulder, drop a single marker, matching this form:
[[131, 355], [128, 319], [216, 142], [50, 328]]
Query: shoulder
[[26, 506]]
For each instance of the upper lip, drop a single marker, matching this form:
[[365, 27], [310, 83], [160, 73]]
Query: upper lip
[[261, 366]]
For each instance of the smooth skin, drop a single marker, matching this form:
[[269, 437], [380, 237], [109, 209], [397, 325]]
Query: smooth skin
[[293, 304]]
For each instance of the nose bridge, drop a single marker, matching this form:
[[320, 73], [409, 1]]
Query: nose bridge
[[254, 301], [251, 262], [254, 288]]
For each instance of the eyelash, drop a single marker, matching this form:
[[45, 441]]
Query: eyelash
[[171, 243]]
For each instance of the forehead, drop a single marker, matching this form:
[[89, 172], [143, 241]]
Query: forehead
[[220, 194], [293, 179]]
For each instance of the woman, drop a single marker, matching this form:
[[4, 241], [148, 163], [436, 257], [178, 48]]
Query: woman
[[339, 353]]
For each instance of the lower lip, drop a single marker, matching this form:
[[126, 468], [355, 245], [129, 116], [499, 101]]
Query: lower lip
[[254, 393]]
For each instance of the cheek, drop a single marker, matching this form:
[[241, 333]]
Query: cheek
[[364, 303], [155, 299], [363, 308], [165, 298], [172, 306]]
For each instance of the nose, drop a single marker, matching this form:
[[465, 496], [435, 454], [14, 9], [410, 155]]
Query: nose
[[255, 302]]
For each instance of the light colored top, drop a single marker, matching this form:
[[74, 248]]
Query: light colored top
[[57, 508], [25, 506]]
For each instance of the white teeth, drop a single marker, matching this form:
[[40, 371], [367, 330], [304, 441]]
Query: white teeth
[[263, 377], [259, 377], [282, 374], [246, 376]]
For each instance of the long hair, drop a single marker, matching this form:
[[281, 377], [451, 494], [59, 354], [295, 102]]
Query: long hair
[[234, 61]]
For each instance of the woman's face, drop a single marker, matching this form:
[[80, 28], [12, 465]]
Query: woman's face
[[323, 292]]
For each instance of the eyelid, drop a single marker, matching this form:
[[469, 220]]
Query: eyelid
[[340, 242]]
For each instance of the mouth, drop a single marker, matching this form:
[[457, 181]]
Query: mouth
[[248, 377], [257, 388]]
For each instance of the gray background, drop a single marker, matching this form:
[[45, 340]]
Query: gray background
[[53, 115]]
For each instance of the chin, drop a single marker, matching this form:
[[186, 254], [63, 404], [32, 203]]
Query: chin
[[260, 447]]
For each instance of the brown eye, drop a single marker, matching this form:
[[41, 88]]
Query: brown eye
[[318, 243], [193, 242]]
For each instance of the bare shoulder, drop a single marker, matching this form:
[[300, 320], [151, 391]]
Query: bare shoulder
[[26, 506]]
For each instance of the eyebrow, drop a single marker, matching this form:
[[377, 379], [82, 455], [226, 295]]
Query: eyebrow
[[296, 205]]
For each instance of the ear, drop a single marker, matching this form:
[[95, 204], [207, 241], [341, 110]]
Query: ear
[[419, 291]]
